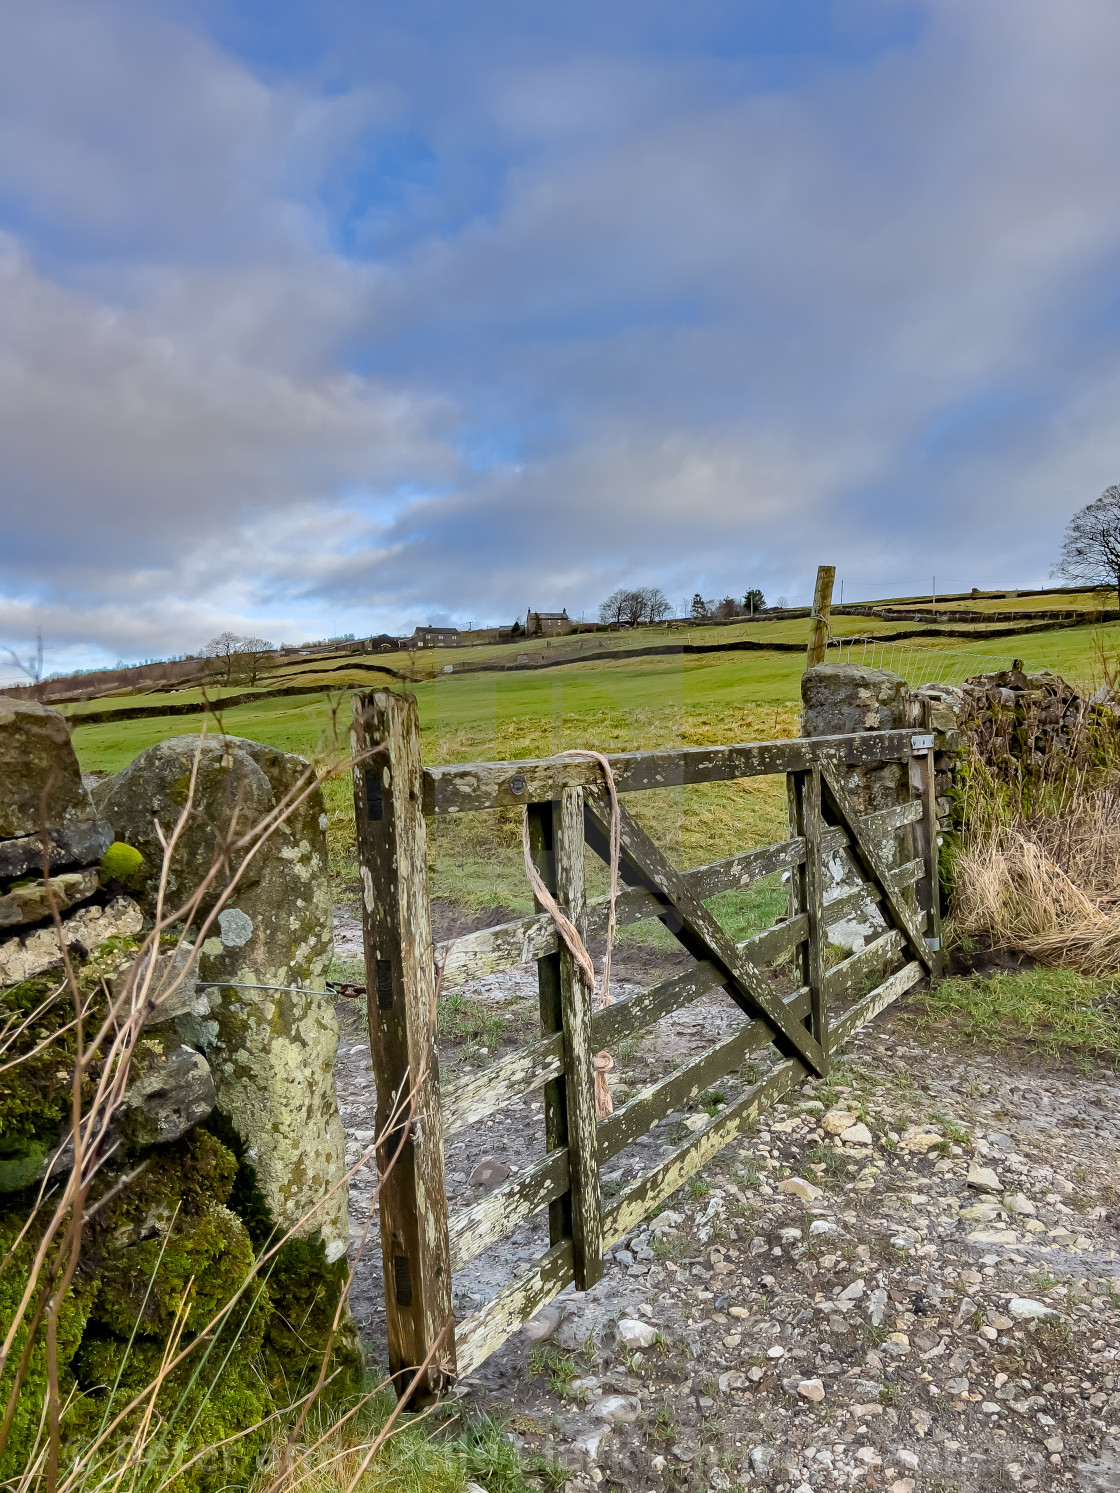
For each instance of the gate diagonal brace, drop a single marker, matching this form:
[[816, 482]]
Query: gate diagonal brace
[[643, 865], [872, 862]]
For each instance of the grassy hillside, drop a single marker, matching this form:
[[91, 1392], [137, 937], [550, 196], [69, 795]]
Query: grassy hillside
[[612, 705]]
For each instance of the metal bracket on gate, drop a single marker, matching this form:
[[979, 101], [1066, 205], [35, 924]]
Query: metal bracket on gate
[[921, 743]]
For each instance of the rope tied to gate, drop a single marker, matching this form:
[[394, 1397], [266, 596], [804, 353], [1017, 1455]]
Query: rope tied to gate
[[816, 615], [564, 925], [568, 931]]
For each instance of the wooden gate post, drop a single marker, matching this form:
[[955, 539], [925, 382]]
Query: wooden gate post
[[807, 891], [928, 890], [556, 836], [822, 606], [401, 985]]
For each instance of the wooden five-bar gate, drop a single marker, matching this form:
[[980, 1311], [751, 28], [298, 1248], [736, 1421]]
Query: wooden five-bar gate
[[568, 807]]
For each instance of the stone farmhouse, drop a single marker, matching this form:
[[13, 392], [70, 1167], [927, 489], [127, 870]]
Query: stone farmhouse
[[547, 624], [436, 637]]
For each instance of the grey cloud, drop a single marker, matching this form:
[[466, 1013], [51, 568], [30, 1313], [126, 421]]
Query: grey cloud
[[706, 328], [138, 136], [131, 435]]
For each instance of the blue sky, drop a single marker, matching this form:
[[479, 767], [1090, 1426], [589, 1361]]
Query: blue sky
[[335, 317]]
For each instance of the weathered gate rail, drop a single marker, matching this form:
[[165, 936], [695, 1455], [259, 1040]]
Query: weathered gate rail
[[421, 1247]]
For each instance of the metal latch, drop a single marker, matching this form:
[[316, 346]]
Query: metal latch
[[922, 743]]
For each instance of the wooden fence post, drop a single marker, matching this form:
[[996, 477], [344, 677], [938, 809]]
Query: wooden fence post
[[557, 840], [822, 606], [928, 889], [400, 979], [807, 884]]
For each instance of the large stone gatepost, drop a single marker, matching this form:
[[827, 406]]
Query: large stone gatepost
[[841, 699], [264, 1019]]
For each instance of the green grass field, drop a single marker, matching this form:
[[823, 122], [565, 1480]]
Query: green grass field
[[615, 705]]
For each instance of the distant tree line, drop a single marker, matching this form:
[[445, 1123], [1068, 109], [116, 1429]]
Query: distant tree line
[[701, 610], [634, 606], [240, 659]]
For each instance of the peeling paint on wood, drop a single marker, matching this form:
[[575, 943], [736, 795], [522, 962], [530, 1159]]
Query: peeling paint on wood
[[652, 1189], [873, 863], [487, 1329], [694, 926], [492, 950], [463, 788], [493, 1217], [392, 850]]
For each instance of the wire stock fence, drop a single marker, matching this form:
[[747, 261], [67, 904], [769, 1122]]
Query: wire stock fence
[[915, 665]]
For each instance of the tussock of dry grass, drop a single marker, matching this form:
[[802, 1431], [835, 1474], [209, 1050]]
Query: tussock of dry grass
[[1047, 882]]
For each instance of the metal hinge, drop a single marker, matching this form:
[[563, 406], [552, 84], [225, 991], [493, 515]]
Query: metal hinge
[[933, 945]]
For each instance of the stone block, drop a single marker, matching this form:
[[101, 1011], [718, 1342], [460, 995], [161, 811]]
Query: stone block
[[839, 699], [269, 1032], [172, 1090], [231, 794], [40, 781], [31, 901], [72, 845], [22, 958]]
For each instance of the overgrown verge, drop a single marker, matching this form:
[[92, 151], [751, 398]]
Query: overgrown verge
[[1035, 861]]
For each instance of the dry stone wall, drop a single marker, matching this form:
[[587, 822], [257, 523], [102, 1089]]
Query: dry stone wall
[[228, 1136], [263, 1019]]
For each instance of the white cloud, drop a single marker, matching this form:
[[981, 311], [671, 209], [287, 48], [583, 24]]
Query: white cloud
[[135, 437]]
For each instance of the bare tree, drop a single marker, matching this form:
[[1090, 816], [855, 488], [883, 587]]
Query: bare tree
[[32, 665], [634, 607], [252, 657], [1091, 546], [727, 608], [241, 658], [657, 604], [613, 610]]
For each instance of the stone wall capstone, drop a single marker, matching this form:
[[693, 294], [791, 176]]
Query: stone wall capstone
[[44, 807], [841, 699]]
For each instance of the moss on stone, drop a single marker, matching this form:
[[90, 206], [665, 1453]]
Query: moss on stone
[[176, 1229], [304, 1287], [217, 1392], [305, 1292], [245, 1198], [73, 1317], [121, 863]]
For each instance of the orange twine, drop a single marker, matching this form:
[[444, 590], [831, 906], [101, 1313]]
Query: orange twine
[[564, 925], [602, 1063]]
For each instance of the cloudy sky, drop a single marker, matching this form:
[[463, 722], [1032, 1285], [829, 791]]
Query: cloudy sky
[[325, 316]]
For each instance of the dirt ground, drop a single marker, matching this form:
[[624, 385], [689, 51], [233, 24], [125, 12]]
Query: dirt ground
[[907, 1278]]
